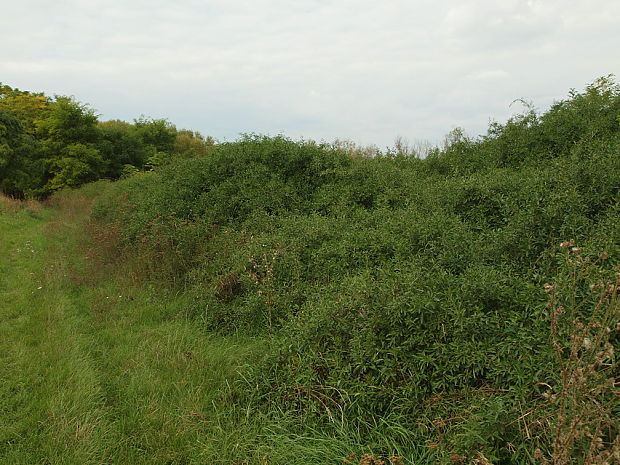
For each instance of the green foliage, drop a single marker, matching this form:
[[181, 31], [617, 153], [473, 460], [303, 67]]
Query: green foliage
[[78, 164], [19, 157], [192, 143], [47, 144], [400, 300], [156, 133], [67, 122], [393, 286], [581, 403], [26, 106], [120, 145]]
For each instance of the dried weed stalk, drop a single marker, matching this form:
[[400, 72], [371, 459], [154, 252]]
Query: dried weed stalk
[[580, 408]]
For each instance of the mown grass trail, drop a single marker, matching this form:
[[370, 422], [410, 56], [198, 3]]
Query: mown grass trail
[[51, 399], [95, 371]]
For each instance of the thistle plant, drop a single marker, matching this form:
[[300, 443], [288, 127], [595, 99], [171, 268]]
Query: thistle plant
[[579, 419]]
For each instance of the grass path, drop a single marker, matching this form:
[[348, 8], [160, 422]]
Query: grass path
[[94, 372], [51, 399]]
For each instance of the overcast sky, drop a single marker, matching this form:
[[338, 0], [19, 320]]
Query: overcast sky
[[363, 70]]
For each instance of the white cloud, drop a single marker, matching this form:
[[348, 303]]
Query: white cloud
[[489, 75], [360, 69]]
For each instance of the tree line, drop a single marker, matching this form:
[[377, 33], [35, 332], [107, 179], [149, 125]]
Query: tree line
[[50, 143]]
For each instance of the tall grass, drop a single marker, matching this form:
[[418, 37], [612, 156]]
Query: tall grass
[[12, 205]]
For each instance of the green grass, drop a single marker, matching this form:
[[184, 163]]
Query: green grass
[[100, 373], [96, 371]]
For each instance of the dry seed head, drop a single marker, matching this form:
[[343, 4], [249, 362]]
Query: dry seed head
[[557, 312], [605, 354], [482, 460], [603, 255]]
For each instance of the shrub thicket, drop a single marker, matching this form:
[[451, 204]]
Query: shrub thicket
[[394, 287]]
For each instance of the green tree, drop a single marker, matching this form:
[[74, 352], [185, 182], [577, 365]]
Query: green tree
[[78, 165], [67, 122], [26, 106], [158, 133], [121, 146], [69, 134], [20, 167], [191, 143]]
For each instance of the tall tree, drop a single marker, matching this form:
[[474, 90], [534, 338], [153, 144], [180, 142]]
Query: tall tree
[[69, 134]]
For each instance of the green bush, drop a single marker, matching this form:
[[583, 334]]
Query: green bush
[[393, 287]]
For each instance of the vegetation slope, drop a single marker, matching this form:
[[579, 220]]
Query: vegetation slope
[[396, 289], [457, 309]]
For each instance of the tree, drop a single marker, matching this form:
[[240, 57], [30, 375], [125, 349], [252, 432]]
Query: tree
[[69, 134], [159, 133], [192, 143], [20, 169], [27, 107], [121, 145], [78, 165], [67, 122]]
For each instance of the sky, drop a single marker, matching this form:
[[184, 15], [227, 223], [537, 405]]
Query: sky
[[364, 70]]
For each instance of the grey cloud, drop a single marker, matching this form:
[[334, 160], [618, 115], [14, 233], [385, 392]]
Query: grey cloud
[[356, 69]]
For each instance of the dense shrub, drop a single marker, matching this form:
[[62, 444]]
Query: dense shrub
[[391, 285]]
